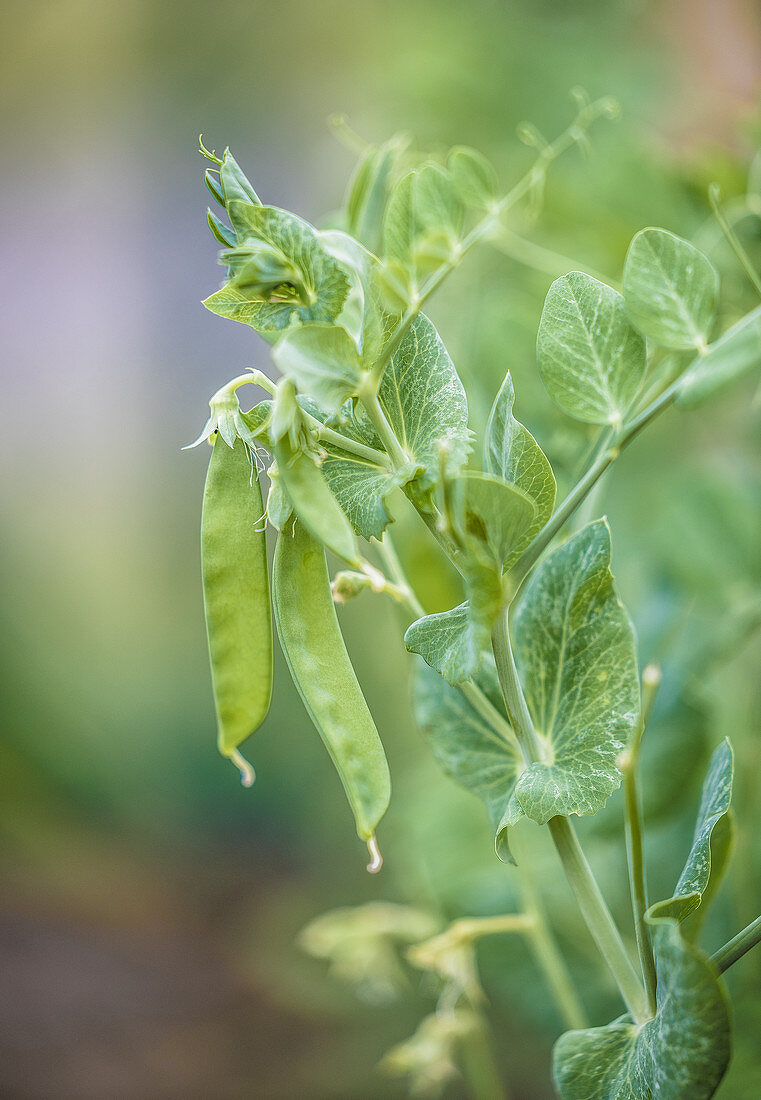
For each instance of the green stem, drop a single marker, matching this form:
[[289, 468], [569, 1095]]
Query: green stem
[[577, 870], [728, 955], [540, 258], [548, 955], [634, 845], [714, 196], [479, 1063], [368, 395], [351, 446]]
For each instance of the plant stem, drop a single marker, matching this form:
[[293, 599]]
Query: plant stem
[[479, 1064], [714, 196], [351, 446], [634, 847], [728, 955], [578, 872], [548, 956], [368, 395]]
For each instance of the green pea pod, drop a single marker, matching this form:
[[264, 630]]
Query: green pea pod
[[311, 640], [313, 502], [236, 598]]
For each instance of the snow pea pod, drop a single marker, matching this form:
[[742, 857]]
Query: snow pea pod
[[314, 649], [236, 598]]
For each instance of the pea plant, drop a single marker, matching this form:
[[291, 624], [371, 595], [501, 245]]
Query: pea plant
[[528, 691]]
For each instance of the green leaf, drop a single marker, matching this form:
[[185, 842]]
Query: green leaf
[[575, 649], [473, 176], [710, 840], [235, 186], [466, 746], [670, 289], [591, 358], [323, 361], [734, 353], [512, 453], [425, 403], [369, 190], [491, 515], [682, 1053], [446, 642], [323, 281], [423, 205]]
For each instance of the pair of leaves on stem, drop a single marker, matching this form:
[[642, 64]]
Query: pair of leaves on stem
[[575, 650], [684, 1049], [591, 342], [495, 516]]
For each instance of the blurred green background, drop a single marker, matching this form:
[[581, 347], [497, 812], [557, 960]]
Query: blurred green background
[[150, 904]]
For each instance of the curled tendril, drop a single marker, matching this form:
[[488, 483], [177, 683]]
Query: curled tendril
[[209, 154]]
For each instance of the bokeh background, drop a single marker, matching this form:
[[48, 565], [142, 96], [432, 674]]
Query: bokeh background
[[150, 905]]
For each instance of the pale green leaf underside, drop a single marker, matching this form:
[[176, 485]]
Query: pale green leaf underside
[[575, 650], [512, 454], [670, 289], [591, 358], [682, 1053], [322, 360], [299, 243], [445, 642], [425, 402], [734, 353], [714, 807], [465, 744]]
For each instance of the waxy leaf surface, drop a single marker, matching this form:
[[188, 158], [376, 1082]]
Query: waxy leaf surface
[[711, 840], [575, 650], [466, 745], [299, 243], [323, 361], [670, 289], [512, 454], [681, 1053], [590, 356], [425, 402]]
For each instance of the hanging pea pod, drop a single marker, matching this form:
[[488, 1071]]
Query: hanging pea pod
[[304, 482], [236, 598], [314, 649]]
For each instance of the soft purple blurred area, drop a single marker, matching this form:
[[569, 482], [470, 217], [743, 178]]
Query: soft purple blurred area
[[149, 904]]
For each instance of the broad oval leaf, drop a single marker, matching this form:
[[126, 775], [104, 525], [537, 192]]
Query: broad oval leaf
[[590, 356], [734, 353], [709, 842], [512, 454], [670, 288], [369, 190], [576, 652], [474, 177], [423, 206], [683, 1052], [445, 642], [425, 403], [324, 280], [465, 744], [323, 361]]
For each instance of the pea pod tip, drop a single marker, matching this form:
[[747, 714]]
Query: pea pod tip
[[247, 773], [376, 859]]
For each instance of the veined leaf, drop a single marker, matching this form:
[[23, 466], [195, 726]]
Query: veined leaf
[[425, 402], [682, 1052], [325, 283], [490, 514], [512, 453], [670, 289], [446, 643], [323, 361], [712, 832], [575, 649], [369, 190], [737, 351], [590, 356], [466, 746], [474, 178], [423, 207]]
